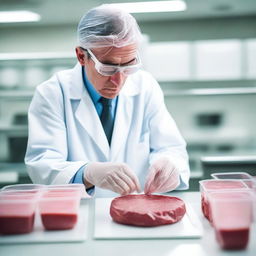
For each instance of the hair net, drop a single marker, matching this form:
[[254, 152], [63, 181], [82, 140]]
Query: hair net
[[106, 26]]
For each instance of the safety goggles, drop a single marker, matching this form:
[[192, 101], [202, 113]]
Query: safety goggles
[[109, 70]]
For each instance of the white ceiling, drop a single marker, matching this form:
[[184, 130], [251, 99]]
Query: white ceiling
[[70, 11]]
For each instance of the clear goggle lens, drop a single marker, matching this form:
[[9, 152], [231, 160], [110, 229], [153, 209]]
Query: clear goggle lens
[[109, 70]]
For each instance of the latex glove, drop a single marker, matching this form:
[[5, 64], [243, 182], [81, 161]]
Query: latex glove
[[117, 177], [163, 177]]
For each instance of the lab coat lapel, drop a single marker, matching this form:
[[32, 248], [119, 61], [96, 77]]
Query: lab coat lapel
[[122, 125], [123, 119], [86, 113]]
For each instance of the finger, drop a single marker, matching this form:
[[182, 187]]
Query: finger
[[160, 178], [120, 181], [135, 181], [149, 180], [147, 188], [151, 175], [164, 176], [122, 176], [154, 184], [167, 187], [112, 185], [170, 184]]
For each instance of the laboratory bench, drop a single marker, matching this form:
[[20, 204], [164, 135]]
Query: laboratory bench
[[206, 245]]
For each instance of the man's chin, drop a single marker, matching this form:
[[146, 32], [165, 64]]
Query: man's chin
[[109, 94]]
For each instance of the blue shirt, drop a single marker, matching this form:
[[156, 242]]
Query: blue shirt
[[95, 97]]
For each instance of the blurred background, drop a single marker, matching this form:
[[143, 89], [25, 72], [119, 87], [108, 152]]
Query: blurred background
[[203, 56]]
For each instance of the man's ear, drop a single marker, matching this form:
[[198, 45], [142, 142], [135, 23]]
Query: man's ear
[[81, 56]]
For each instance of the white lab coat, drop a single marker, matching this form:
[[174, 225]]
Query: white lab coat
[[65, 131]]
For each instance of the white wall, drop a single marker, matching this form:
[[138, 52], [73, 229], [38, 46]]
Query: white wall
[[38, 39]]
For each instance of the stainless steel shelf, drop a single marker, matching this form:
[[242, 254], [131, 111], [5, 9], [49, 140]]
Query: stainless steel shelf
[[20, 94], [211, 91], [231, 159], [14, 130], [36, 56]]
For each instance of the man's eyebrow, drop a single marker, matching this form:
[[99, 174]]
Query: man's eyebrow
[[123, 64], [128, 62]]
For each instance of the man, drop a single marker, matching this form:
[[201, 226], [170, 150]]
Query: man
[[104, 122]]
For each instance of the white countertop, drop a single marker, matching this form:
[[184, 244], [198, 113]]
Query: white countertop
[[205, 246]]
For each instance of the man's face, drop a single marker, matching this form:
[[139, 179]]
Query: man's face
[[107, 86]]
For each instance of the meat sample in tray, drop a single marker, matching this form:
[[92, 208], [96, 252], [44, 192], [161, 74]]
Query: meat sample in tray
[[147, 210]]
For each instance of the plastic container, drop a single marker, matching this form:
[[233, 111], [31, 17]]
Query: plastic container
[[213, 185], [232, 218], [244, 176], [254, 197], [73, 186], [59, 206], [31, 188], [231, 175], [249, 180], [17, 212]]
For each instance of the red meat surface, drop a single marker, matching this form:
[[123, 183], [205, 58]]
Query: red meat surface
[[147, 210]]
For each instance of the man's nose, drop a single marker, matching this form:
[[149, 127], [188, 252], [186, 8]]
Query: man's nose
[[117, 78]]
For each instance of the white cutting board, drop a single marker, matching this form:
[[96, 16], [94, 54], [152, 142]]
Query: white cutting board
[[105, 228], [39, 235]]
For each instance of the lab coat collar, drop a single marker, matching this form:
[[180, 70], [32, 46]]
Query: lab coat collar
[[86, 111], [76, 84]]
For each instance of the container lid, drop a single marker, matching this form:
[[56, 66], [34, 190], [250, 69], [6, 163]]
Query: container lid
[[231, 175], [215, 184]]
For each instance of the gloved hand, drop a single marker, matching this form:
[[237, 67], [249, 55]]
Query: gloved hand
[[163, 177], [117, 177]]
